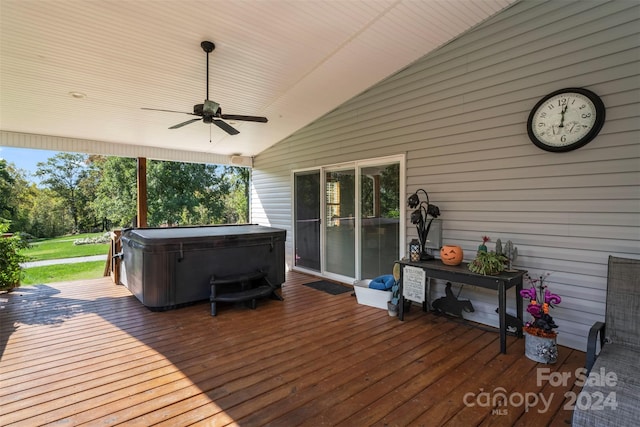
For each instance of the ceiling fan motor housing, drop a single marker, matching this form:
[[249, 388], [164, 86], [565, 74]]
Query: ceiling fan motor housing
[[210, 107]]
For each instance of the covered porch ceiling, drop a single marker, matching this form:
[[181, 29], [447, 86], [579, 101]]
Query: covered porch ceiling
[[83, 70]]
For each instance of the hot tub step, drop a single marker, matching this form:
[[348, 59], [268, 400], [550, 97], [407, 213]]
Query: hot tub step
[[246, 292]]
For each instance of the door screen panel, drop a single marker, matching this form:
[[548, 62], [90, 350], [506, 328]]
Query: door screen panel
[[307, 220]]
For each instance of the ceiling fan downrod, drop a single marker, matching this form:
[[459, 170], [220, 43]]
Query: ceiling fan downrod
[[208, 47]]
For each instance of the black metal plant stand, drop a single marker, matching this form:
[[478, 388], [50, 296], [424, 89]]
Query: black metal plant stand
[[422, 217]]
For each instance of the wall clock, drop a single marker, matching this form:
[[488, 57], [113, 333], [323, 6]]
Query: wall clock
[[566, 119]]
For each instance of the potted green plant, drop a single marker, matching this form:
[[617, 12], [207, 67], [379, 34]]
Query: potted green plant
[[487, 262]]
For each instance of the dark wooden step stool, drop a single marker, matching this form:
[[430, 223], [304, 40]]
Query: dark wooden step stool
[[246, 291]]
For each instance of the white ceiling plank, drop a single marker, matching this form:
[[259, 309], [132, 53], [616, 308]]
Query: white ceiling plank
[[292, 61]]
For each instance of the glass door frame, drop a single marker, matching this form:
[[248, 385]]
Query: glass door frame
[[357, 166], [342, 167]]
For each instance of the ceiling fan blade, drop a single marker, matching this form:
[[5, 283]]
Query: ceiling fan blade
[[244, 118], [179, 125], [226, 127], [168, 111]]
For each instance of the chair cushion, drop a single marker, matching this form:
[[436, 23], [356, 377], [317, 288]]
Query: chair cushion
[[593, 406], [623, 302]]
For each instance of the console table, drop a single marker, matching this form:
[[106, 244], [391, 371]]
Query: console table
[[461, 274]]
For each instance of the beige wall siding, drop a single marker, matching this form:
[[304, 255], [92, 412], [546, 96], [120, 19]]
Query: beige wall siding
[[460, 116]]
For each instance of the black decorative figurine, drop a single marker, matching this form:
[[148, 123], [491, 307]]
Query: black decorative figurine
[[420, 217], [450, 304]]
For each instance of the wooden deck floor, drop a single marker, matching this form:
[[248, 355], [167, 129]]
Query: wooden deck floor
[[89, 353]]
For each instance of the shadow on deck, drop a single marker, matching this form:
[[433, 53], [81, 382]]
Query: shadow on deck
[[89, 352]]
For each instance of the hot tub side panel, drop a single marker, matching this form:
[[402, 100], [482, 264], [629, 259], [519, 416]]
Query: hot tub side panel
[[149, 275], [165, 274], [195, 268]]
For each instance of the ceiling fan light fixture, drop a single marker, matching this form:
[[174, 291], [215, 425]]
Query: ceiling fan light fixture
[[210, 107]]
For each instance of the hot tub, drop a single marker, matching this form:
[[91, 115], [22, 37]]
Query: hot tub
[[169, 267]]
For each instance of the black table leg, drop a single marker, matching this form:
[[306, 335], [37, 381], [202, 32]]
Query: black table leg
[[519, 306], [400, 297], [502, 310]]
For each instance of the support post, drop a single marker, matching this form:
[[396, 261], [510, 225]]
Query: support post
[[141, 171]]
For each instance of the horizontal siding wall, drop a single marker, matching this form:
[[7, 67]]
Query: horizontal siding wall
[[460, 116]]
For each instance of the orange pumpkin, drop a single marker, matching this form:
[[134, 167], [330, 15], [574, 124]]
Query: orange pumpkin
[[451, 254]]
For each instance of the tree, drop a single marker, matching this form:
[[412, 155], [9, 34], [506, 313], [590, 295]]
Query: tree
[[6, 183], [48, 215], [88, 220], [13, 189], [116, 193], [63, 174], [177, 192], [237, 197], [390, 191]]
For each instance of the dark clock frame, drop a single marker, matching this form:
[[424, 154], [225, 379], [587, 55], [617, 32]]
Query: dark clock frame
[[597, 125]]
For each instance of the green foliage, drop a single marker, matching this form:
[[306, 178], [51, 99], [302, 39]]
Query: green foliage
[[13, 188], [177, 193], [10, 258], [236, 200], [63, 174], [46, 213], [388, 181], [91, 193], [116, 192], [6, 183], [390, 191], [181, 193], [488, 263]]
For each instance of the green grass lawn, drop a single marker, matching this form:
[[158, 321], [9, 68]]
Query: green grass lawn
[[63, 272], [63, 247]]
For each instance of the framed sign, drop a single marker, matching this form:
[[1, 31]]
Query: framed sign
[[434, 239], [413, 283]]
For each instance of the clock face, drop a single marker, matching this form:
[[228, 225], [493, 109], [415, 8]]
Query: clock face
[[566, 119]]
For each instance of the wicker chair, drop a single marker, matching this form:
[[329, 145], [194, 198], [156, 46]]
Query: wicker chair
[[616, 402]]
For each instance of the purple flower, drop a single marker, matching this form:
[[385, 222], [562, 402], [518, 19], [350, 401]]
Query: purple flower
[[528, 293], [535, 310], [550, 298]]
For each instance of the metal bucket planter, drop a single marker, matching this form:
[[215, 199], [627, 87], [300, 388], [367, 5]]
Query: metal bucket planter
[[540, 349], [392, 308]]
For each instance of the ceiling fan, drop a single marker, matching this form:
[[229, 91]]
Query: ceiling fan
[[210, 111]]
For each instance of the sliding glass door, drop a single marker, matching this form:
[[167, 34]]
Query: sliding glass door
[[380, 219], [340, 222], [347, 219]]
